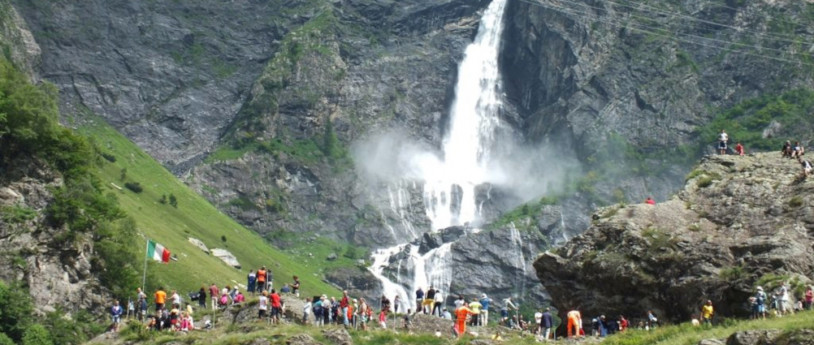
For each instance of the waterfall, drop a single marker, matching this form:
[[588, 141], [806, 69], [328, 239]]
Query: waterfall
[[449, 184], [449, 189]]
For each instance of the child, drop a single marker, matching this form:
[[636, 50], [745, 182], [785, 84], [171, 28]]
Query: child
[[383, 319]]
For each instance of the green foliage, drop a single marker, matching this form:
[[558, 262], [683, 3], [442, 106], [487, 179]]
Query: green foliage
[[37, 335], [524, 217], [746, 121], [354, 253], [71, 331], [733, 273], [173, 200], [5, 340], [134, 186], [16, 310], [16, 214], [116, 263]]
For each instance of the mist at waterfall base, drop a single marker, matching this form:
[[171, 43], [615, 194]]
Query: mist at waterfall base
[[522, 172]]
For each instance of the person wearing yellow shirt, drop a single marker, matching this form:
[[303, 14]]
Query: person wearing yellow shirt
[[160, 298], [707, 312], [475, 307]]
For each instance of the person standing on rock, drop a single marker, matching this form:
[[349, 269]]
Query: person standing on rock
[[722, 139], [429, 300], [261, 279], [485, 301], [295, 287], [306, 311], [809, 298], [419, 298], [574, 323], [707, 311], [474, 308], [504, 311], [460, 319], [270, 280], [251, 280], [276, 307], [262, 305], [160, 298], [439, 302], [202, 297]]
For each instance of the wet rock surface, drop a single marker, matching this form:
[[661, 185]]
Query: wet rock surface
[[737, 219]]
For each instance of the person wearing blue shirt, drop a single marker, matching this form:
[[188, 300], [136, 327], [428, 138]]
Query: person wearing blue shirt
[[547, 323], [484, 314], [116, 315]]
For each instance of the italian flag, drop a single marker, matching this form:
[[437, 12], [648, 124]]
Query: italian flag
[[157, 252]]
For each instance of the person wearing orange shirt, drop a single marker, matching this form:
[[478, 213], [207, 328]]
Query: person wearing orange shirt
[[460, 319], [574, 322], [160, 298], [261, 279]]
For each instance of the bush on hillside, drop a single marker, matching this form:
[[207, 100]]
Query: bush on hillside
[[15, 310], [37, 335], [134, 186]]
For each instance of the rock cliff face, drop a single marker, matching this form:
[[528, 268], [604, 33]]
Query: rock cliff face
[[740, 221], [57, 273]]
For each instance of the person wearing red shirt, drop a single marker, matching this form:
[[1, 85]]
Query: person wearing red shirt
[[276, 307], [739, 149], [650, 201], [343, 305]]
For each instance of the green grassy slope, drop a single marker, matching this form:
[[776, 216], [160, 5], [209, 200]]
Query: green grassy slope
[[194, 217]]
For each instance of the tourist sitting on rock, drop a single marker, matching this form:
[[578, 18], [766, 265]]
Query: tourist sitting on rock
[[786, 150], [797, 150], [650, 201], [739, 149], [806, 168], [446, 314], [285, 289]]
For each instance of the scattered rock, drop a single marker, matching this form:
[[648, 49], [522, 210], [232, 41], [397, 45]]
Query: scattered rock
[[302, 339], [226, 257], [338, 336], [753, 337], [711, 342], [198, 243], [331, 257]]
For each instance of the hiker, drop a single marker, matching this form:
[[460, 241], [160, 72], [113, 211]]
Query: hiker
[[385, 303], [707, 312], [407, 320], [116, 316], [809, 298], [270, 280], [722, 139], [344, 303], [362, 312], [806, 168], [214, 295], [251, 280], [797, 150], [650, 201], [396, 302], [239, 298], [295, 287], [262, 305], [574, 323], [546, 323], [160, 298], [429, 300], [419, 298], [306, 310], [175, 297], [446, 314], [652, 321], [202, 297], [739, 149], [484, 313], [623, 323], [787, 149], [276, 307], [261, 279], [460, 319], [141, 298], [285, 289], [326, 310], [383, 319], [474, 308], [504, 311], [439, 301]]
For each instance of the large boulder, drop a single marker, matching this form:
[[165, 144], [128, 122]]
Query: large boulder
[[738, 219]]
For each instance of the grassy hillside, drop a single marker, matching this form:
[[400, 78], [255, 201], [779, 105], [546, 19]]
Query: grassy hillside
[[193, 217]]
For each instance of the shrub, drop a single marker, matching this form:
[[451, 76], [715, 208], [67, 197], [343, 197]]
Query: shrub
[[5, 340], [796, 201], [109, 157], [134, 186], [173, 200], [37, 335], [15, 310]]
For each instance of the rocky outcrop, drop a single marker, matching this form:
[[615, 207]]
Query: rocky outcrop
[[739, 219], [56, 272]]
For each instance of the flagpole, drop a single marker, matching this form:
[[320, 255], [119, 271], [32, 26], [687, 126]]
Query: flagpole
[[144, 274]]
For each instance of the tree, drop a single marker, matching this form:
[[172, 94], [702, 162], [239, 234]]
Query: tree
[[37, 335], [15, 310]]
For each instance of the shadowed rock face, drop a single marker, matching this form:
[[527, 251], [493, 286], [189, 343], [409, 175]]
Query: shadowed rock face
[[738, 219]]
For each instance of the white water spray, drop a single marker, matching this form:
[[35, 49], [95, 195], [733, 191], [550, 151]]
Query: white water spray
[[473, 119], [449, 183]]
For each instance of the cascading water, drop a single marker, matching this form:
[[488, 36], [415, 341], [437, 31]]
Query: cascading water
[[450, 183]]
